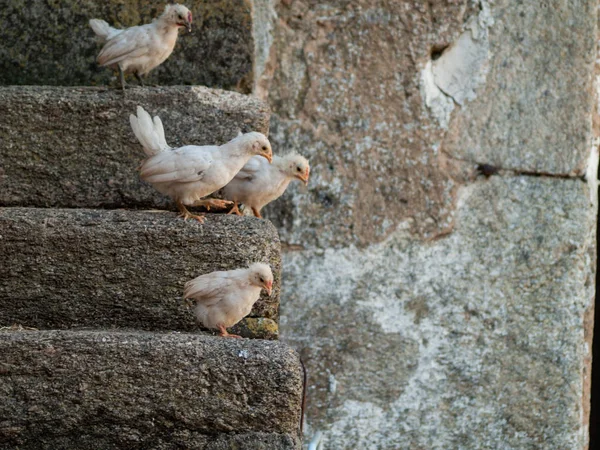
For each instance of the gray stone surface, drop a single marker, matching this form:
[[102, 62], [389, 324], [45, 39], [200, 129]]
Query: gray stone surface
[[100, 390], [76, 268], [478, 340], [437, 309], [385, 142], [540, 81], [51, 43], [345, 86], [73, 147]]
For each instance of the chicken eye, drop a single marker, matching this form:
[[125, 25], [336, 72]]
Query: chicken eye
[[264, 147], [298, 169], [262, 280]]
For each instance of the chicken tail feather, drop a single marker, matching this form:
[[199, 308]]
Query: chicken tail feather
[[102, 29], [149, 132]]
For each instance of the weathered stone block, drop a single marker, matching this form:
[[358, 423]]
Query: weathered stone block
[[374, 106], [135, 390], [479, 338], [103, 269], [538, 53], [73, 147], [346, 92], [51, 43]]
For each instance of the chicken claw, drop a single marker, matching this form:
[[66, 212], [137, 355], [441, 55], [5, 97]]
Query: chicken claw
[[213, 203], [188, 215], [224, 333], [235, 210]]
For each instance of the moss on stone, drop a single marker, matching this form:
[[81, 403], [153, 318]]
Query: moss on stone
[[257, 327]]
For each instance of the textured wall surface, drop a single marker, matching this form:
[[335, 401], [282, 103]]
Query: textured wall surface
[[471, 340], [74, 268], [437, 308], [102, 390], [51, 43], [74, 147]]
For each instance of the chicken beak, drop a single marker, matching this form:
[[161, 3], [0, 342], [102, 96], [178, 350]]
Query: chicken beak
[[269, 287], [269, 157], [304, 178], [189, 27]]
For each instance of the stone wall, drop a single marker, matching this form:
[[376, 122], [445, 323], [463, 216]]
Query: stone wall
[[136, 390], [51, 43], [104, 269], [437, 308], [73, 146]]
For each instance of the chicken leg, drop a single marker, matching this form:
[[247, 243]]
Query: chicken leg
[[139, 78], [213, 203], [235, 210], [257, 213], [122, 78], [188, 215], [224, 333]]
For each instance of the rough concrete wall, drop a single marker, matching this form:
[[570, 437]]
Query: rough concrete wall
[[436, 308], [136, 390], [50, 42]]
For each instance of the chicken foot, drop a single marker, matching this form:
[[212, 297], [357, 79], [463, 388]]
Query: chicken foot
[[188, 215], [224, 333], [257, 213], [235, 210], [215, 203], [139, 78]]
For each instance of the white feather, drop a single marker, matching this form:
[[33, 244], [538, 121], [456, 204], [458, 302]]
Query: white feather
[[224, 298], [259, 183], [151, 134], [141, 48], [189, 173]]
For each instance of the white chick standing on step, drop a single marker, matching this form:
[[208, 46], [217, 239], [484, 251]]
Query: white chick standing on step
[[259, 183], [189, 173], [140, 49], [224, 298]]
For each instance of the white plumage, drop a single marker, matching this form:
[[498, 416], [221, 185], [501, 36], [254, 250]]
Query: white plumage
[[140, 49], [224, 298], [259, 183], [189, 173]]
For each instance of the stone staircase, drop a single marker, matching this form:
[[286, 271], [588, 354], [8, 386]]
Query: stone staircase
[[97, 348]]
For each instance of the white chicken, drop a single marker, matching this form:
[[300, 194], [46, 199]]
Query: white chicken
[[224, 298], [189, 173], [140, 49], [259, 183]]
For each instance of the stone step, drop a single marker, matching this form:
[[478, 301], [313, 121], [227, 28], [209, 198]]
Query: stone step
[[82, 268], [73, 147], [54, 45], [140, 390]]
